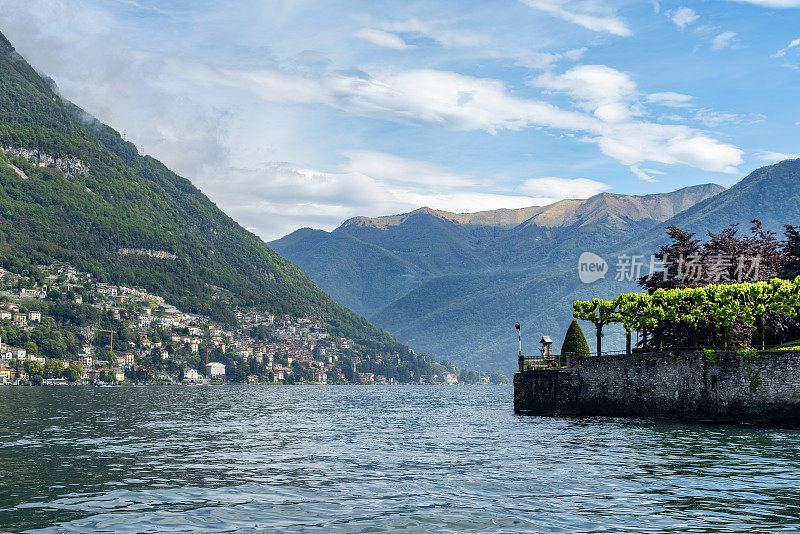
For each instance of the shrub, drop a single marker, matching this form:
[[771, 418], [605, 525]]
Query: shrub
[[575, 341], [747, 354], [711, 356]]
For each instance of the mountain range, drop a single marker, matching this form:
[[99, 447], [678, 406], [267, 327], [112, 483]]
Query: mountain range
[[455, 284], [367, 263]]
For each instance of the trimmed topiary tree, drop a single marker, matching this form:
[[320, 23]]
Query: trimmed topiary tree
[[575, 341]]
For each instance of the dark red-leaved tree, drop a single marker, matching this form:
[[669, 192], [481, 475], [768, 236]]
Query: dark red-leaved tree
[[727, 257]]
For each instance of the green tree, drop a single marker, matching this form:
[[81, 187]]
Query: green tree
[[629, 309], [598, 311], [54, 347], [723, 306], [574, 341], [35, 371], [683, 307], [759, 297], [53, 368], [31, 348], [73, 372]]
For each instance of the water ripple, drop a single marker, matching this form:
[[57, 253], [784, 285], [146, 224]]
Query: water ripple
[[374, 459]]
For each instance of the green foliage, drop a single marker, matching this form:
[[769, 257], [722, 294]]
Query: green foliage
[[755, 380], [34, 369], [54, 347], [48, 340], [753, 377], [574, 341], [598, 311], [73, 372], [748, 354], [53, 369], [711, 356], [104, 355], [720, 305]]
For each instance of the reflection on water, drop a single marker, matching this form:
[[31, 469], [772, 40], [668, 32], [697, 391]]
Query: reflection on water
[[374, 459]]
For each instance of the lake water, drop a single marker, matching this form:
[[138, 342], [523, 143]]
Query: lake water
[[374, 459]]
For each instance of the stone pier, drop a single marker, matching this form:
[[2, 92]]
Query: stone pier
[[682, 385]]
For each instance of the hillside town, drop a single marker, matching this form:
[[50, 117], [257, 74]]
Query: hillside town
[[58, 326]]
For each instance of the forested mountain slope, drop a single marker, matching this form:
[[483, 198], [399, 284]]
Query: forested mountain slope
[[131, 201], [770, 194]]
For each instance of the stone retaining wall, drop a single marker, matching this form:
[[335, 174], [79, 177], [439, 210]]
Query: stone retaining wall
[[685, 385]]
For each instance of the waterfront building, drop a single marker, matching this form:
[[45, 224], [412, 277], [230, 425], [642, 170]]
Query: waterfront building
[[216, 370]]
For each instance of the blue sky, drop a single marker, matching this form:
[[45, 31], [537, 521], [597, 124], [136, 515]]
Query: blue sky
[[304, 113]]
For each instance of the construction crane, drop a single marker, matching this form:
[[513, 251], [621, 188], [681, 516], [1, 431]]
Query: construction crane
[[111, 334]]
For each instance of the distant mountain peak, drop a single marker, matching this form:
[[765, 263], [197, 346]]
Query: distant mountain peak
[[657, 206], [424, 209]]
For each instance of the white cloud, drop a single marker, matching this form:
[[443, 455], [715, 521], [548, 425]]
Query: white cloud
[[426, 97], [775, 157], [779, 4], [282, 197], [645, 174], [723, 40], [606, 92], [545, 60], [684, 16], [139, 5], [612, 97], [589, 15], [183, 111], [480, 45], [670, 99], [636, 142], [383, 39], [442, 99], [125, 88], [782, 52], [441, 33], [399, 169], [561, 188], [713, 119]]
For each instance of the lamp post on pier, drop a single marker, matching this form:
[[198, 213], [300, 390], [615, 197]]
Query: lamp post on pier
[[521, 357]]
